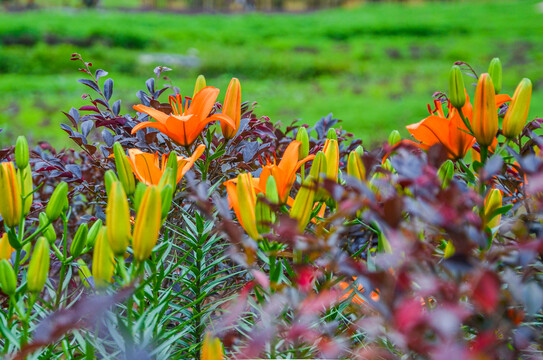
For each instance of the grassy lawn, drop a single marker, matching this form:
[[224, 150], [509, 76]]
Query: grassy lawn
[[375, 66]]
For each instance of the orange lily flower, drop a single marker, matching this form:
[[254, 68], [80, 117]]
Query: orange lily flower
[[149, 168], [374, 295], [184, 124]]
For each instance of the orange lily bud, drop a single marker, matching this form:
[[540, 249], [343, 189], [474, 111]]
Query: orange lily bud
[[84, 272], [27, 187], [8, 279], [124, 171], [495, 72], [246, 197], [331, 153], [5, 247], [11, 206], [394, 137], [49, 231], [38, 269], [493, 201], [232, 109], [58, 202], [93, 233], [148, 223], [485, 113], [79, 241], [21, 152], [103, 262], [355, 166], [303, 204], [457, 90], [200, 84], [303, 138], [211, 348], [516, 115], [118, 219]]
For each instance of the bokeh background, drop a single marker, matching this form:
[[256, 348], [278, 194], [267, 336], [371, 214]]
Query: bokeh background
[[374, 65]]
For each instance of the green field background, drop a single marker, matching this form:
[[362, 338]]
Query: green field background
[[375, 66]]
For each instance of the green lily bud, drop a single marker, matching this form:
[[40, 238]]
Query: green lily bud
[[118, 220], [271, 190], [138, 195], [355, 166], [457, 90], [493, 201], [331, 134], [49, 231], [318, 172], [394, 137], [166, 196], [515, 118], [359, 150], [22, 154], [79, 241], [110, 178], [449, 250], [173, 164], [103, 262], [58, 202], [93, 233], [27, 187], [84, 272], [168, 177], [264, 214], [303, 203], [495, 72], [446, 173], [38, 269], [8, 280], [26, 252], [200, 84], [148, 222], [301, 136], [124, 170]]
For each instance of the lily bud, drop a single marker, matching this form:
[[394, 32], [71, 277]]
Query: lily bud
[[58, 202], [493, 201], [232, 108], [247, 201], [93, 233], [485, 113], [200, 84], [118, 220], [394, 137], [446, 173], [318, 172], [173, 164], [84, 273], [211, 348], [331, 134], [5, 247], [27, 187], [457, 90], [22, 154], [166, 196], [359, 150], [331, 153], [495, 72], [38, 269], [138, 195], [355, 166], [301, 136], [148, 222], [110, 178], [124, 171], [263, 214], [11, 206], [79, 241], [271, 190], [303, 203], [516, 115], [8, 279], [449, 250], [25, 252], [49, 231], [168, 177], [103, 262]]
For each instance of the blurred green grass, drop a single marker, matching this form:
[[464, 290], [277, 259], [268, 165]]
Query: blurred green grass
[[375, 66]]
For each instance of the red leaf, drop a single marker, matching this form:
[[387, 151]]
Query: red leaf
[[485, 291]]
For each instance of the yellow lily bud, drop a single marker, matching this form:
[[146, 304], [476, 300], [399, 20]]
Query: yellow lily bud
[[148, 223], [303, 138], [11, 206], [38, 269], [211, 348], [93, 233], [110, 178], [118, 220], [331, 134], [331, 153], [49, 231], [516, 115], [394, 137], [449, 250], [103, 261], [8, 279], [22, 154], [232, 108], [493, 201], [303, 204], [457, 90], [124, 170], [485, 113], [166, 196], [58, 202], [84, 272], [27, 187], [5, 247], [495, 72], [446, 173], [355, 166], [247, 201], [79, 241], [200, 84]]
